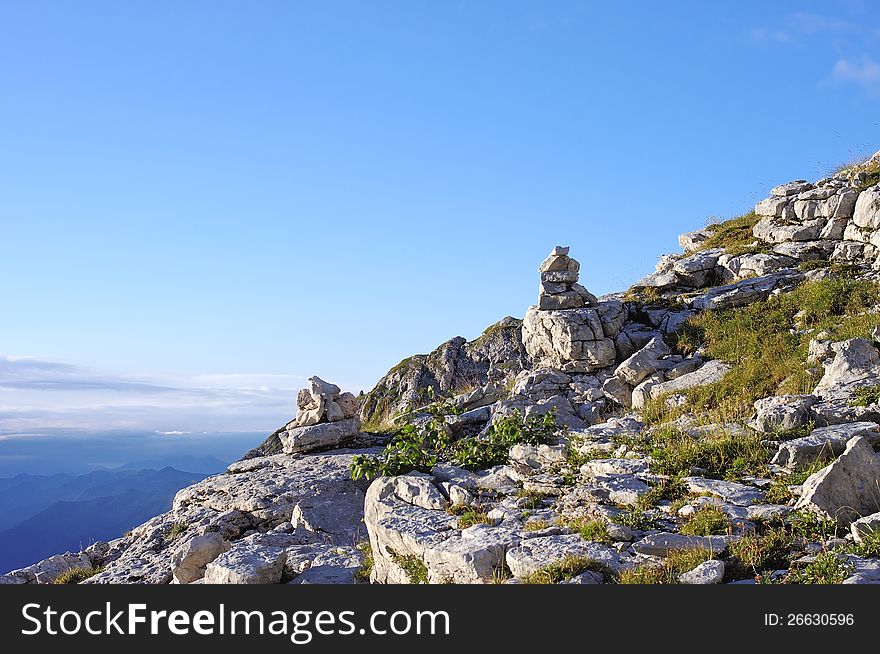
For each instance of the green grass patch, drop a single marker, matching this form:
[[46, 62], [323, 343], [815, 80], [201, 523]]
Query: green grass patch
[[177, 529], [764, 347], [595, 531], [734, 235], [870, 545], [707, 520], [668, 571], [468, 516], [721, 454], [566, 569], [757, 554], [536, 525]]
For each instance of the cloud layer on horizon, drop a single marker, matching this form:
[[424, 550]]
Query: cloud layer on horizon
[[38, 394]]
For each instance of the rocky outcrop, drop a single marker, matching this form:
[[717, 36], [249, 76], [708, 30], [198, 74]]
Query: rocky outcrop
[[493, 358]]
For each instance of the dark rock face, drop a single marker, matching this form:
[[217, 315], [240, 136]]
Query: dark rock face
[[456, 365]]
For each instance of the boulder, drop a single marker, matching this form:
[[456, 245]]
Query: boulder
[[866, 213], [190, 558], [847, 489], [320, 436], [708, 572], [644, 362], [783, 412]]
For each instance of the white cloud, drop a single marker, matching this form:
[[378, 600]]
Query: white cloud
[[865, 73]]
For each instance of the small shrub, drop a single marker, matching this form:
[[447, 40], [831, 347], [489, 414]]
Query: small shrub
[[421, 448], [866, 396], [814, 527], [177, 529], [826, 568], [870, 545], [707, 520], [536, 525], [565, 569], [76, 575]]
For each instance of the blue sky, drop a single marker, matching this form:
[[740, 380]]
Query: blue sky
[[223, 198]]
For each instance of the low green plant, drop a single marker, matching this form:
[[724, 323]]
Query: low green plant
[[566, 569], [415, 569], [363, 573], [177, 529], [866, 396], [869, 546], [668, 571], [812, 526], [468, 516], [826, 568], [593, 530], [756, 554], [422, 447], [76, 575], [536, 525], [670, 490], [707, 520], [635, 518], [720, 454]]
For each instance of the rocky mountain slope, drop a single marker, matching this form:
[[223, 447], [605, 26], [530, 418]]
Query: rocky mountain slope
[[716, 423]]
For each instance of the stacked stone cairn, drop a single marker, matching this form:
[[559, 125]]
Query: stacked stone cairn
[[559, 287], [326, 417]]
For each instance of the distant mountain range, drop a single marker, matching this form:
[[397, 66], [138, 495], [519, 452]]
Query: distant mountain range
[[42, 515]]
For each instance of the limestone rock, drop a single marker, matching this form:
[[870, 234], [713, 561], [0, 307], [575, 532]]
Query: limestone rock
[[867, 208], [247, 562], [190, 558], [532, 554], [831, 441], [644, 362], [783, 412], [847, 489], [856, 363], [708, 572], [319, 436], [572, 340]]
